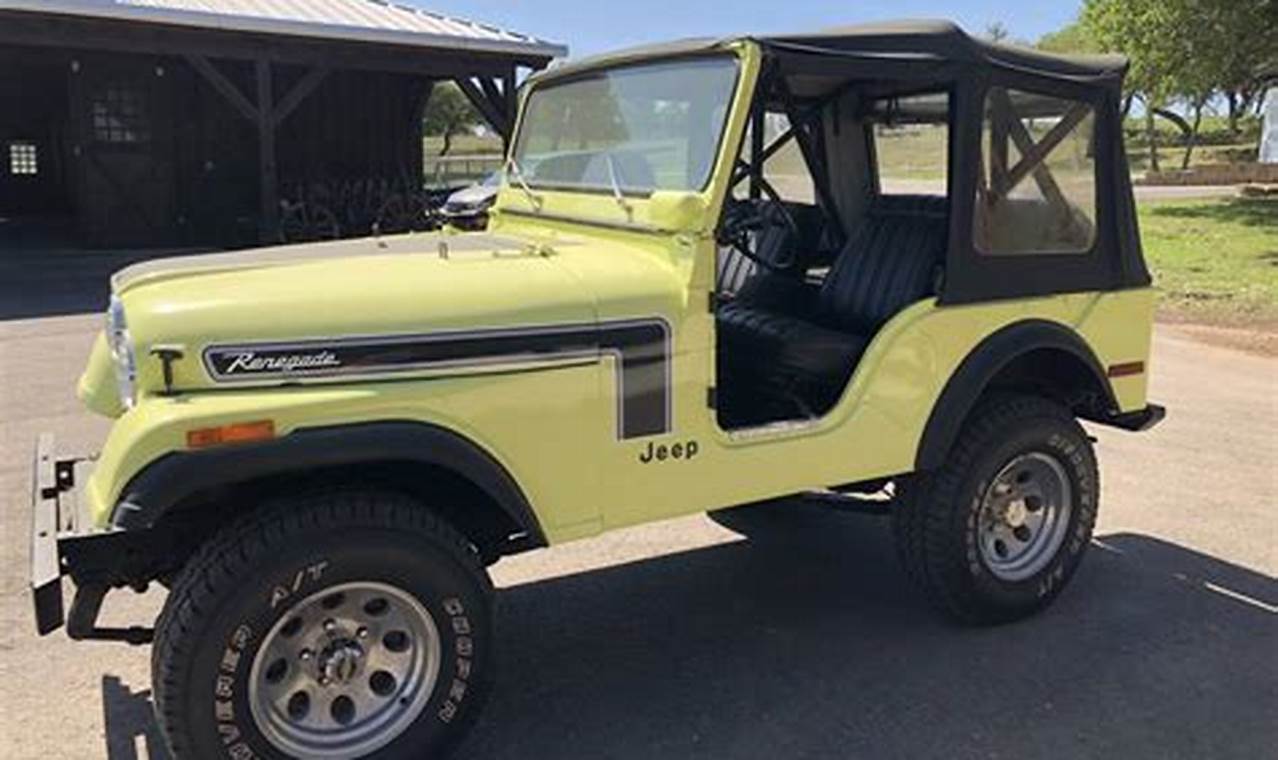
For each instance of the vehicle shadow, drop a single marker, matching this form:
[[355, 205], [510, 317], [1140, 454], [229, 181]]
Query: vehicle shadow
[[818, 648], [129, 720], [812, 645]]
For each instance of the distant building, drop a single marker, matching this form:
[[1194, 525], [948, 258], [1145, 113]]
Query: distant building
[[1269, 131], [186, 122]]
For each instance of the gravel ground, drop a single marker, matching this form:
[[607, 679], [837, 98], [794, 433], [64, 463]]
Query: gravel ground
[[680, 640]]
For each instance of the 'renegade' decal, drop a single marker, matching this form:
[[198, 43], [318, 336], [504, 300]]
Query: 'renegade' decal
[[641, 347]]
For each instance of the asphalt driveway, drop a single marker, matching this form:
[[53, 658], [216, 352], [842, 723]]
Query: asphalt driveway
[[680, 640]]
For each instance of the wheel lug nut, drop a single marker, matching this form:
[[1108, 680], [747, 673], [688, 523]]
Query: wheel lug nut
[[304, 655], [330, 625], [362, 632], [323, 681]]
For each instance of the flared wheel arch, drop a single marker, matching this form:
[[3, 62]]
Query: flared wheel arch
[[418, 455], [1035, 356]]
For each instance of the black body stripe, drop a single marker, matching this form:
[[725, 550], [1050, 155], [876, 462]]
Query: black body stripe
[[641, 347]]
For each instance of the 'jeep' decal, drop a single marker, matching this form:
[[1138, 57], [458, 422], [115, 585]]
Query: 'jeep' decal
[[641, 348]]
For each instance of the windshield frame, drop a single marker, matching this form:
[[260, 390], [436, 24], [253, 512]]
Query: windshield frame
[[552, 81]]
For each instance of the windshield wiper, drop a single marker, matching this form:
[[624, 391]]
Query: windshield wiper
[[616, 188], [513, 170]]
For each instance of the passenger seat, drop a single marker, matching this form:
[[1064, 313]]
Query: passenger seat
[[803, 360]]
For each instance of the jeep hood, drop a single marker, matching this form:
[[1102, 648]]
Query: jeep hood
[[295, 313], [157, 270]]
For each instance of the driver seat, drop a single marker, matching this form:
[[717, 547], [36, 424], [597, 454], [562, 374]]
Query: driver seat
[[772, 363]]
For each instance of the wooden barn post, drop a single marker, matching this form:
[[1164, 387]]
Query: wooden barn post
[[510, 90], [270, 192]]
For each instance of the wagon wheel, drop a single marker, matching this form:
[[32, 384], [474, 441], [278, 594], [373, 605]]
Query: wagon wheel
[[427, 215], [293, 223], [395, 215], [322, 223]]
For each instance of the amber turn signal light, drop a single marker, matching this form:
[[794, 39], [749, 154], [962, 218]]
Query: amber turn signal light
[[240, 432]]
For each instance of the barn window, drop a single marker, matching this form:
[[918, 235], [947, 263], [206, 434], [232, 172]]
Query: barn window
[[23, 159], [120, 115]]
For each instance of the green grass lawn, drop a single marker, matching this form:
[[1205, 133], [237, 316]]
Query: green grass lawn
[[1214, 260]]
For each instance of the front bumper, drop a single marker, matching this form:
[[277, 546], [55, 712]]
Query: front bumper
[[64, 543], [55, 516]]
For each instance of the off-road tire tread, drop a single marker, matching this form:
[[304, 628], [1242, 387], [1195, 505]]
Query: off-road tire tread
[[922, 523], [245, 541]]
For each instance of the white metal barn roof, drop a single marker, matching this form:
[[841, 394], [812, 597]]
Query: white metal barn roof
[[352, 20]]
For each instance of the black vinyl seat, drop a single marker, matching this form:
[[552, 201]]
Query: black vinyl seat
[[776, 243], [774, 363]]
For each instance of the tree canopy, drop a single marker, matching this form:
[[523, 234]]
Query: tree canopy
[[1182, 52], [1075, 37], [448, 113]]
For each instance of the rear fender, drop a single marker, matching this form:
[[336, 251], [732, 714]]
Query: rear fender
[[983, 366]]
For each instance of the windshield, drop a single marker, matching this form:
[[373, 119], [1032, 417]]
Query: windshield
[[639, 128]]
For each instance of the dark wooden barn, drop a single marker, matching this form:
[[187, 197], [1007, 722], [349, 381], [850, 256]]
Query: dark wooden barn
[[138, 123]]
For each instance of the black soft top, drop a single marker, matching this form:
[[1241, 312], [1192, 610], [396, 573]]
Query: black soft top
[[920, 40], [945, 40], [947, 75]]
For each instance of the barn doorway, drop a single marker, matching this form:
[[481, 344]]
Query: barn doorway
[[124, 150], [36, 206]]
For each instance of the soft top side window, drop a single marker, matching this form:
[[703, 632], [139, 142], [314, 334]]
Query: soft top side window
[[912, 144], [1036, 192]]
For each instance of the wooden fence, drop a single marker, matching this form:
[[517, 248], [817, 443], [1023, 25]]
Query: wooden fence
[[451, 171]]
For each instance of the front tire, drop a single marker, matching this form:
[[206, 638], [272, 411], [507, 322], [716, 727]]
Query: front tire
[[347, 625], [998, 531]]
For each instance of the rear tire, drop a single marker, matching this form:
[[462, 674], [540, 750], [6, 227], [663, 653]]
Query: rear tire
[[349, 624], [998, 531]]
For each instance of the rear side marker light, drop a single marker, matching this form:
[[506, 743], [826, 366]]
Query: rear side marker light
[[1126, 369], [240, 432]]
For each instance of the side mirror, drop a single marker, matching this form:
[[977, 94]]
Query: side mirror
[[676, 211]]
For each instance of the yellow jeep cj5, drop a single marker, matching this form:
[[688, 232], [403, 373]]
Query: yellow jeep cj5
[[720, 276]]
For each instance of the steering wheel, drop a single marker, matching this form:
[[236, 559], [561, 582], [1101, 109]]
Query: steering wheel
[[744, 220]]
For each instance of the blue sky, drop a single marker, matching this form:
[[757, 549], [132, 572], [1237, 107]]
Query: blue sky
[[592, 26]]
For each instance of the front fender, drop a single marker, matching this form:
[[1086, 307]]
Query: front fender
[[179, 475], [146, 465], [97, 388]]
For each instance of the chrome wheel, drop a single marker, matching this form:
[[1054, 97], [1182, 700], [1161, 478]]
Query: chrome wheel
[[344, 671], [1024, 516]]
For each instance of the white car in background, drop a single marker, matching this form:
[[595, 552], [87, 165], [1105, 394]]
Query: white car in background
[[468, 208]]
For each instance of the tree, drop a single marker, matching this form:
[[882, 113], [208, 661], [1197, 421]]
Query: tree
[[1077, 38], [996, 31], [1185, 51], [1249, 62], [1144, 30], [448, 113], [1074, 37]]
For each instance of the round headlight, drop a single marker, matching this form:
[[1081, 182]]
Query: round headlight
[[117, 330]]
